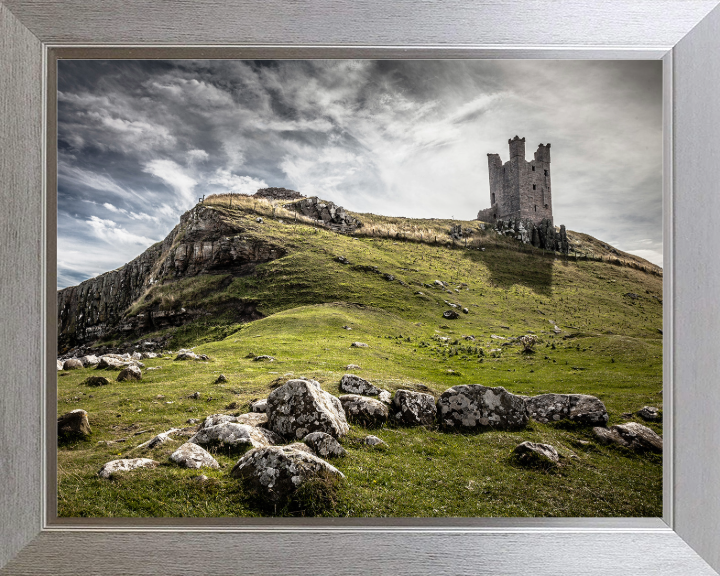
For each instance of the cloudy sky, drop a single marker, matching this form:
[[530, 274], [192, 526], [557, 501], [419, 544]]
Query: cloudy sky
[[140, 141]]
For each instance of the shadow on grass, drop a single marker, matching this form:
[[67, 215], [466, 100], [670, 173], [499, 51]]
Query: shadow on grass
[[534, 270]]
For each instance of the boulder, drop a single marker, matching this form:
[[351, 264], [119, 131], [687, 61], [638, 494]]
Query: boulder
[[136, 355], [276, 472], [302, 447], [476, 406], [90, 360], [356, 385], [385, 396], [301, 406], [215, 419], [129, 373], [60, 365], [73, 424], [186, 355], [259, 405], [110, 363], [221, 378], [324, 445], [450, 315], [72, 364], [579, 408], [649, 413], [535, 454], [124, 465], [235, 435], [371, 440], [191, 455], [367, 411], [631, 435], [414, 408], [96, 381]]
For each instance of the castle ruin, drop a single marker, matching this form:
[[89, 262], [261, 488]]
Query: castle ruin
[[519, 190]]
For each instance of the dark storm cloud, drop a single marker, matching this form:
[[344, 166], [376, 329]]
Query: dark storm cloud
[[140, 141]]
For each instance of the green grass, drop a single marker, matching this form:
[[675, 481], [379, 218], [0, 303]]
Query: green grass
[[610, 346]]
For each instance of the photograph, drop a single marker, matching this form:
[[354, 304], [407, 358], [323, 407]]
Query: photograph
[[359, 288]]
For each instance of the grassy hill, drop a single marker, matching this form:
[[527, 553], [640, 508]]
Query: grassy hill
[[380, 283]]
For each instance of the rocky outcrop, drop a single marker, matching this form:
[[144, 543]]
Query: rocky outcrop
[[276, 472], [301, 406], [278, 194], [414, 408], [204, 241], [632, 435], [541, 235], [478, 407], [325, 213], [579, 408]]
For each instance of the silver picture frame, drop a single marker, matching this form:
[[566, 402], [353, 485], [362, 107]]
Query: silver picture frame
[[684, 34]]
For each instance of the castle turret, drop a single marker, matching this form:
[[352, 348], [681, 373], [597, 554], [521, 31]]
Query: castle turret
[[543, 153], [517, 147]]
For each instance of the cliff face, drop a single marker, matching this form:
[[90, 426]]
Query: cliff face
[[203, 242]]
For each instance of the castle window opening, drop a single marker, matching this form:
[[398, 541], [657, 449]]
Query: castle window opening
[[545, 172], [535, 207], [534, 186], [533, 168], [492, 198]]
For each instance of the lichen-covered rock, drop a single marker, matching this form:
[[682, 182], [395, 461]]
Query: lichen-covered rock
[[535, 454], [72, 364], [191, 455], [356, 385], [96, 381], [259, 405], [414, 408], [129, 373], [114, 362], [276, 472], [215, 419], [371, 440], [252, 419], [124, 465], [385, 396], [368, 411], [187, 355], [235, 435], [649, 413], [478, 407], [302, 447], [579, 408], [631, 435], [73, 424], [301, 406], [324, 445]]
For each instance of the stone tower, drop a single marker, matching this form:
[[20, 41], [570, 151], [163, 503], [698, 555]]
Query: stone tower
[[519, 190]]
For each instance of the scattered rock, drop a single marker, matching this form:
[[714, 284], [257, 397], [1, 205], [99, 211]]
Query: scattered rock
[[631, 435], [158, 440], [632, 295], [124, 465], [371, 440], [153, 368], [221, 378], [324, 445], [201, 479], [649, 413], [356, 385], [192, 421], [96, 381], [233, 434], [186, 355], [301, 406], [72, 364], [111, 363], [414, 408], [352, 367], [466, 311], [90, 360], [385, 396], [73, 424], [215, 419], [579, 408], [326, 213], [477, 406], [259, 405], [60, 364], [301, 447], [191, 455], [264, 358], [129, 373], [347, 328], [368, 411], [276, 472], [359, 345], [450, 315], [259, 220], [535, 454], [194, 395]]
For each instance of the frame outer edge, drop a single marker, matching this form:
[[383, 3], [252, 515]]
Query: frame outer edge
[[696, 273], [21, 279]]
